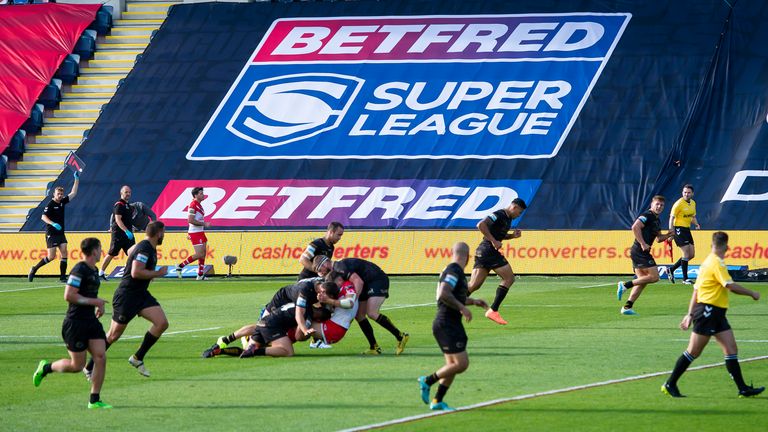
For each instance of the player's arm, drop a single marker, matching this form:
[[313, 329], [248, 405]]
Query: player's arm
[[695, 222], [688, 318], [139, 269], [345, 302], [673, 212], [446, 297], [119, 221], [191, 219], [637, 230], [485, 228], [72, 295], [306, 258], [513, 235], [149, 213], [661, 237], [301, 309], [738, 289], [73, 192], [357, 281]]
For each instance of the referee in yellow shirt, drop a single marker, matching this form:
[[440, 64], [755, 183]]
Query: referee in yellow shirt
[[707, 312], [682, 215]]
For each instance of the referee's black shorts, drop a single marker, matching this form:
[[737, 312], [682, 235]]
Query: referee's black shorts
[[709, 320], [118, 242], [683, 236], [55, 240]]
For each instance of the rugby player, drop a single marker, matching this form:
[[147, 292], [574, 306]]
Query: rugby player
[[53, 216], [706, 311], [452, 298], [495, 228], [682, 215], [372, 286], [120, 229], [81, 328], [320, 246], [645, 229], [196, 233]]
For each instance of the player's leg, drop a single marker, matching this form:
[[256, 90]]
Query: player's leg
[[689, 252], [63, 262], [50, 255], [455, 363], [98, 349], [366, 328], [156, 316], [373, 308], [644, 277], [507, 279], [696, 344], [727, 343], [476, 280]]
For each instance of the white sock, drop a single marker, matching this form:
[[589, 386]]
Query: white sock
[[101, 272]]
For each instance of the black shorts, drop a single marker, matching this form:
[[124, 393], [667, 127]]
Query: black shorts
[[77, 332], [487, 257], [127, 304], [54, 240], [640, 258], [450, 336], [266, 334], [709, 320], [683, 236], [120, 242], [378, 287]]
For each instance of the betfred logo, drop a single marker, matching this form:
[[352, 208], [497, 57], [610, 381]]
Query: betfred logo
[[491, 86], [356, 203]]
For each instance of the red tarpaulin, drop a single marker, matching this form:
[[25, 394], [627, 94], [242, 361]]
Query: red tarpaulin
[[34, 39]]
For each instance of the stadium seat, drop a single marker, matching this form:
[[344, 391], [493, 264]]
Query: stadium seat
[[103, 22], [35, 120], [69, 69], [86, 45], [3, 168], [85, 135], [19, 2], [51, 94], [16, 147]]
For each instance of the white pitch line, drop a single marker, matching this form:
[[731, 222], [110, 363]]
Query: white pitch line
[[531, 396], [409, 306], [595, 286], [738, 341], [35, 288]]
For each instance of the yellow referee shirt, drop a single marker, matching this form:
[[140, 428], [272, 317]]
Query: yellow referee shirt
[[711, 281], [683, 212]]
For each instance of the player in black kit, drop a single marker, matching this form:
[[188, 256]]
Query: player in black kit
[[452, 298], [120, 229], [320, 246], [132, 296], [53, 216], [495, 228], [645, 229], [81, 328], [372, 285]]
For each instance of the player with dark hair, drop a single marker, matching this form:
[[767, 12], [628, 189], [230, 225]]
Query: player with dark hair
[[81, 328], [706, 311], [196, 233], [495, 228], [645, 229], [682, 215], [132, 297], [372, 286], [53, 216], [141, 216], [452, 298], [120, 230], [320, 246]]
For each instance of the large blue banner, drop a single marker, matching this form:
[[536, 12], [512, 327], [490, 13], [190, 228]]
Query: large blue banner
[[428, 114]]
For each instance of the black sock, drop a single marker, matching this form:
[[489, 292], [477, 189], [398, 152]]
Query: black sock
[[732, 364], [685, 268], [41, 263], [676, 265], [89, 366], [95, 397], [441, 391], [383, 321], [232, 351], [629, 304], [501, 292], [260, 351], [47, 368], [229, 339], [146, 344], [63, 267], [432, 379], [681, 365], [629, 284], [365, 326]]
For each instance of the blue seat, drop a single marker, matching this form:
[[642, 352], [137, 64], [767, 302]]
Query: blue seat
[[69, 69], [86, 45], [3, 168], [19, 2], [103, 22], [51, 94], [16, 147], [35, 120]]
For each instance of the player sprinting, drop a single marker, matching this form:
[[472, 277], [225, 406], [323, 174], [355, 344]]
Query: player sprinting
[[495, 228], [706, 311], [320, 246], [81, 328], [452, 298], [682, 215], [196, 233], [53, 216]]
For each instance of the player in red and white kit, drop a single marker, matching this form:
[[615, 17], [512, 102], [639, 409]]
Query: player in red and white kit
[[345, 308], [196, 233]]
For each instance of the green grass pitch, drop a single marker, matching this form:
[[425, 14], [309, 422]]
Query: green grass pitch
[[563, 332]]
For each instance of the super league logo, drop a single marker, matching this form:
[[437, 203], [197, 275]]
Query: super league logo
[[288, 108]]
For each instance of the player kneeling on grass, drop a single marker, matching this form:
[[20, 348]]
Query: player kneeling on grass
[[331, 331], [452, 298], [81, 328], [706, 311]]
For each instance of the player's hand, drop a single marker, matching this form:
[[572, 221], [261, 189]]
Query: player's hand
[[100, 307], [322, 297], [756, 295], [129, 234], [76, 175], [308, 331], [645, 247], [480, 302], [496, 244], [466, 313], [163, 271], [516, 234], [57, 226], [686, 322]]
